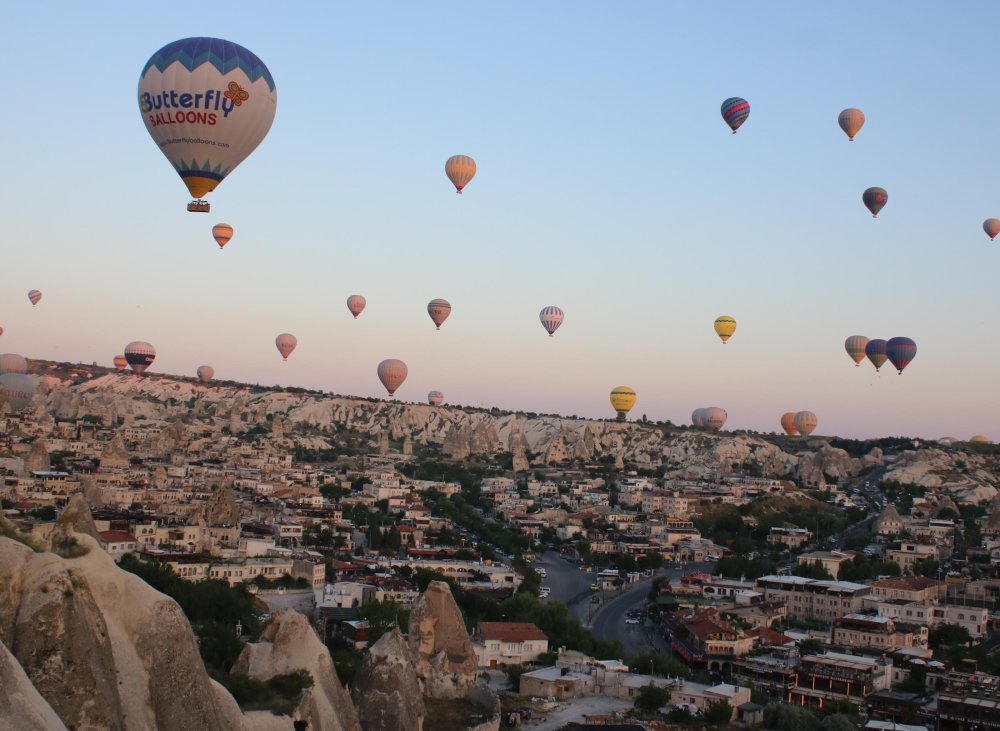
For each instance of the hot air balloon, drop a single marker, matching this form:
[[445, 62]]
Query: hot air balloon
[[725, 326], [851, 120], [438, 310], [900, 351], [980, 439], [788, 423], [356, 304], [992, 227], [207, 103], [875, 200], [460, 169], [855, 347], [1, 331], [285, 343], [435, 398], [735, 111], [622, 401], [120, 363], [805, 422], [698, 418], [875, 350], [222, 233], [205, 373], [18, 389], [140, 356], [392, 373], [714, 418], [13, 363], [34, 296], [552, 317]]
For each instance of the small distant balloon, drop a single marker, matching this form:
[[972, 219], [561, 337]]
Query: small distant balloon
[[435, 398], [13, 363], [356, 304], [714, 418], [805, 422], [876, 352], [34, 296], [205, 373], [18, 389], [140, 356], [392, 372], [900, 351], [285, 343], [788, 423], [980, 439], [855, 347], [735, 112], [552, 317], [875, 200], [851, 120], [460, 169], [622, 400], [1, 331], [439, 310], [725, 326], [992, 227], [120, 363], [222, 233]]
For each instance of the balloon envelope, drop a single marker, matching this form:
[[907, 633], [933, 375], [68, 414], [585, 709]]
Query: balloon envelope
[[735, 112], [714, 418], [805, 422], [876, 352], [551, 317], [875, 200], [207, 103], [851, 120], [34, 296], [13, 363], [222, 233], [140, 355], [120, 363], [439, 310], [18, 389], [435, 398], [900, 352], [855, 347], [392, 372], [285, 343], [460, 169], [205, 373], [725, 326], [356, 304], [992, 227], [980, 439], [622, 400], [698, 418], [788, 423]]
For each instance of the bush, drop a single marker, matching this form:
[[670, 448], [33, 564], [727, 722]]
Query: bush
[[719, 712], [651, 698], [514, 673]]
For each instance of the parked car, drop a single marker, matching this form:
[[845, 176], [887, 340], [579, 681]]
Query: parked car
[[633, 620]]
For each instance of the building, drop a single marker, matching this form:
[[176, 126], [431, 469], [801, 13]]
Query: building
[[509, 643], [835, 676], [792, 538], [968, 702], [701, 638], [910, 589], [829, 560], [826, 601], [117, 543], [873, 631], [773, 674], [907, 553]]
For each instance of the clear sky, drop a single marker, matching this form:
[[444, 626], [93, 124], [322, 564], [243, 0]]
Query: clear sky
[[608, 185]]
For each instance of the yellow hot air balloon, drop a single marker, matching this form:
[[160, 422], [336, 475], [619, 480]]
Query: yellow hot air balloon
[[725, 326], [622, 401], [980, 439]]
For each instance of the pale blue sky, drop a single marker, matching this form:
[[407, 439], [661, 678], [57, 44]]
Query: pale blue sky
[[608, 184]]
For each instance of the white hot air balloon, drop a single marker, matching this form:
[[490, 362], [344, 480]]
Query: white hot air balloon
[[714, 418], [551, 317], [392, 372], [460, 169], [140, 356], [13, 363], [18, 389], [285, 343], [435, 398], [805, 422], [205, 373]]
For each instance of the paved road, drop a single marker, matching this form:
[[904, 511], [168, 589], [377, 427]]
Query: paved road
[[569, 585]]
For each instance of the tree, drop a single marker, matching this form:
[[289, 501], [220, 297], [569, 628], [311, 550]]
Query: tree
[[948, 634], [660, 665], [383, 617], [838, 722], [514, 673], [718, 713], [651, 698]]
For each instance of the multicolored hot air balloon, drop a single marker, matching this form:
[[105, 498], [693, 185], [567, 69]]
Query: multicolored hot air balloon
[[725, 326], [18, 389], [714, 418], [207, 103], [140, 356], [900, 351], [875, 200], [13, 363], [855, 347], [439, 310], [851, 120], [992, 227], [356, 304], [392, 372], [435, 398], [34, 296], [876, 352], [460, 169], [698, 418], [552, 317], [735, 111], [788, 423], [805, 422], [285, 343], [120, 363], [205, 373], [622, 400], [222, 233]]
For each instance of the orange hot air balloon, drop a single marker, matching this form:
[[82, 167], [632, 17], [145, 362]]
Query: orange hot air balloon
[[222, 233], [356, 304], [851, 120], [460, 169], [392, 372], [285, 343], [205, 373], [438, 310], [788, 423], [121, 362], [714, 418]]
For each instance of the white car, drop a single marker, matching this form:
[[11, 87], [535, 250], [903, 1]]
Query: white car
[[633, 620]]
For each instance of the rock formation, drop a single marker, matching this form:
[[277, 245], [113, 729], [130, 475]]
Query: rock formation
[[114, 456], [222, 508], [21, 707], [387, 690], [38, 457], [445, 661]]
